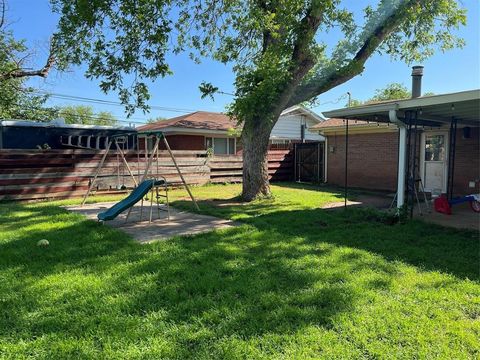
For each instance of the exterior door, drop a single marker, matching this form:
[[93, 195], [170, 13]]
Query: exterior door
[[309, 162], [434, 164]]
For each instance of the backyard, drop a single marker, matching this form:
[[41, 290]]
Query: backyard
[[292, 281]]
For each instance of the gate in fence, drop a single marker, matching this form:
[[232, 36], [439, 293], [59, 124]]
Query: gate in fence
[[309, 162]]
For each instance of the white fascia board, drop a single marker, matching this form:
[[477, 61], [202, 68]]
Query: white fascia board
[[307, 112], [290, 109], [439, 99], [373, 127], [318, 118], [273, 137], [420, 102], [363, 110]]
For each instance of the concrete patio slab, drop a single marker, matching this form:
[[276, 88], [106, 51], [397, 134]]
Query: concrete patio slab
[[362, 200], [181, 222], [463, 217]]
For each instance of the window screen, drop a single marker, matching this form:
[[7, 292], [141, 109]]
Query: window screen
[[231, 146], [435, 148], [221, 146]]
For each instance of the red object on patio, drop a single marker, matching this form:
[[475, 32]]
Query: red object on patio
[[442, 205]]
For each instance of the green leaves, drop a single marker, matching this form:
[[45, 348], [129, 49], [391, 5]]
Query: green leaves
[[427, 26], [393, 91], [277, 48], [207, 89], [85, 115], [18, 101], [124, 43]]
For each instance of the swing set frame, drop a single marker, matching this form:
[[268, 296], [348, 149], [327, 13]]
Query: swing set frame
[[149, 157]]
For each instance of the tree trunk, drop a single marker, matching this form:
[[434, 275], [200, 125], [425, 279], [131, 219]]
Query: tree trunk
[[255, 140]]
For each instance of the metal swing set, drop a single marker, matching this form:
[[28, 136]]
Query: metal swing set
[[146, 183]]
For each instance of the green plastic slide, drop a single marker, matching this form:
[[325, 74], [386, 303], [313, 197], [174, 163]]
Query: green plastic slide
[[135, 196]]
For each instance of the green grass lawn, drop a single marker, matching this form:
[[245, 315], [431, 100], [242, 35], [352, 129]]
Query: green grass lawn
[[293, 282]]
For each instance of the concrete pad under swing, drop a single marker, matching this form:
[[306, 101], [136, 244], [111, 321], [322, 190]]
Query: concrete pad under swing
[[181, 222]]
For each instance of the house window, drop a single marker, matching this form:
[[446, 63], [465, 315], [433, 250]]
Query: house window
[[435, 148], [150, 143], [221, 146], [231, 146]]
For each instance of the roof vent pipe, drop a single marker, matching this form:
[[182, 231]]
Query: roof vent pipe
[[417, 73]]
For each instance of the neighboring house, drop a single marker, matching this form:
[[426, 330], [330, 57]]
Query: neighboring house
[[199, 130], [203, 130], [446, 148], [294, 125]]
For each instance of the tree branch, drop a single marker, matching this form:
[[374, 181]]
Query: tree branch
[[21, 73], [2, 17], [267, 39], [355, 66], [302, 61]]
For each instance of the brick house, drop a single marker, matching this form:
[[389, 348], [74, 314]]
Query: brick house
[[202, 130], [373, 150], [432, 138]]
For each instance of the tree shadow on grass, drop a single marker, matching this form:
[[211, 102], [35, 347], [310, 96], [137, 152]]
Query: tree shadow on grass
[[242, 289], [428, 246], [241, 281], [236, 282], [281, 272]]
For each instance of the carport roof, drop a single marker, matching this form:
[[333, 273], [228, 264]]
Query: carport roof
[[431, 110]]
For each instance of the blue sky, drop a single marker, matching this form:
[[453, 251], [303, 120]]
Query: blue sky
[[455, 70]]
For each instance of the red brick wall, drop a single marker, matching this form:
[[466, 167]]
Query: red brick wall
[[180, 142], [467, 162], [185, 142], [372, 160], [188, 142]]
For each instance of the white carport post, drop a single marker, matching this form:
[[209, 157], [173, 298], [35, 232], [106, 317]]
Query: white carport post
[[402, 153]]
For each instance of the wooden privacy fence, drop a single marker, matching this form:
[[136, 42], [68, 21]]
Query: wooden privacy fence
[[67, 173], [229, 168], [35, 174]]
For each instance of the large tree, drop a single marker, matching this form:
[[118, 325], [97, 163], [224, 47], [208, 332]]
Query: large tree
[[284, 52], [18, 101], [392, 91], [15, 57], [85, 115]]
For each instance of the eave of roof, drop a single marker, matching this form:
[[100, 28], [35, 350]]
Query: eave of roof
[[334, 125], [465, 106], [305, 111], [211, 122], [197, 120]]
